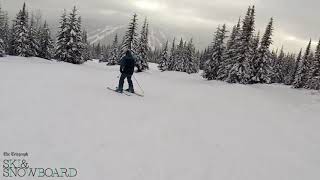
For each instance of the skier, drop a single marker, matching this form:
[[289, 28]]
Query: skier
[[127, 65]]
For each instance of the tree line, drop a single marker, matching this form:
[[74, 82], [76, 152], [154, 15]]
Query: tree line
[[26, 37], [241, 56], [244, 57]]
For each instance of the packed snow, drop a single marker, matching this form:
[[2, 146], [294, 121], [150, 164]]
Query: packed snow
[[185, 128]]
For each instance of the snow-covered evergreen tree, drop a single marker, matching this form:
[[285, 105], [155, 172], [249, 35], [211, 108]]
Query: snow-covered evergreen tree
[[46, 43], [277, 63], [2, 45], [313, 81], [130, 41], [2, 49], [218, 47], [203, 58], [70, 47], [6, 33], [291, 77], [192, 62], [114, 57], [301, 77], [33, 38], [289, 70], [98, 52], [155, 55], [179, 58], [4, 30], [164, 61], [242, 70], [296, 67], [86, 46], [20, 34], [105, 53], [262, 63], [281, 65], [143, 48], [74, 39], [254, 47], [61, 45], [229, 57], [172, 56]]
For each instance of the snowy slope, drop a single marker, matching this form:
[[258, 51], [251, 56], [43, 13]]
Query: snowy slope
[[185, 128]]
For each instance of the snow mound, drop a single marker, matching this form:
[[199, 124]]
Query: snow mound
[[185, 128]]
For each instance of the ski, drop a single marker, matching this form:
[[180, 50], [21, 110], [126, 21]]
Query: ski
[[111, 89], [137, 94]]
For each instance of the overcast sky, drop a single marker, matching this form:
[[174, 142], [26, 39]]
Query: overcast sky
[[296, 21]]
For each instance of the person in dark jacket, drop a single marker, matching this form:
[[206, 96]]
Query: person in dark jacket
[[127, 65]]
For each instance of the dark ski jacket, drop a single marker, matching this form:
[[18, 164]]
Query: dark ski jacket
[[127, 64]]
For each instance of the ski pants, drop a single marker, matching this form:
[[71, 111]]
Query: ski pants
[[121, 81]]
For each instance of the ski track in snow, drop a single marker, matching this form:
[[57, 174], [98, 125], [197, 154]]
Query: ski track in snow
[[156, 39], [108, 30], [185, 128]]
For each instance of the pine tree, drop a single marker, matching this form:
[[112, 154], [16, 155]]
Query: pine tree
[[213, 64], [262, 67], [20, 34], [179, 58], [104, 54], [33, 38], [277, 66], [254, 47], [2, 48], [130, 41], [172, 56], [242, 70], [203, 58], [11, 50], [2, 44], [86, 46], [296, 67], [98, 52], [61, 49], [290, 68], [281, 65], [302, 72], [191, 64], [143, 48], [314, 71], [114, 57], [164, 61], [310, 61], [74, 39], [229, 57], [46, 43], [197, 59], [4, 31]]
